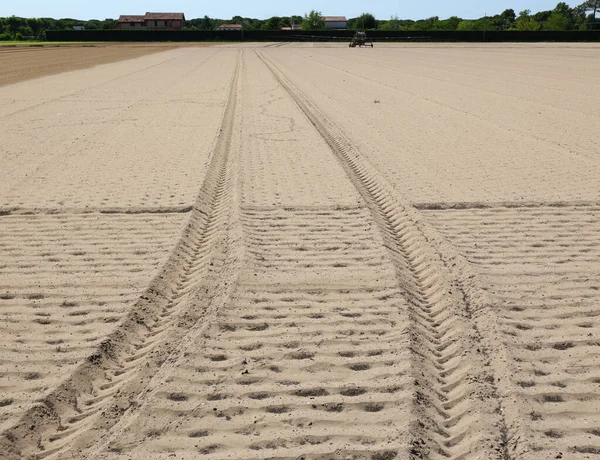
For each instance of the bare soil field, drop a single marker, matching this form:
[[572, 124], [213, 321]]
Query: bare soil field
[[303, 251], [21, 63]]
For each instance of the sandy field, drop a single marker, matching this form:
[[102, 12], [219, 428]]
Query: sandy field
[[300, 251], [23, 63]]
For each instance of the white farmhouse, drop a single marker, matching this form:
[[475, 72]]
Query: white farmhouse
[[335, 22]]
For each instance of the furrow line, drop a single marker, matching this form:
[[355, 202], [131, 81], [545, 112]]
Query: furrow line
[[456, 411], [110, 382], [503, 205], [133, 210]]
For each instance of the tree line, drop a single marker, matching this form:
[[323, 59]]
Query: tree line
[[562, 17], [17, 28]]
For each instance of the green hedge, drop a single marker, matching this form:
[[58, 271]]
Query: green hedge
[[317, 35]]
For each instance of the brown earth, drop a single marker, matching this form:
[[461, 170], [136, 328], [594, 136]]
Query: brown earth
[[303, 251], [27, 62]]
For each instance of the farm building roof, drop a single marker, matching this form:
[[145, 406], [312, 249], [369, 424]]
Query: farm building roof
[[229, 26], [131, 18], [153, 17], [335, 19], [164, 17]]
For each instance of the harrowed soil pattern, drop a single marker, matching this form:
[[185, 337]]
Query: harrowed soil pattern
[[303, 251]]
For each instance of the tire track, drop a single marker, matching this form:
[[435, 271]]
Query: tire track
[[456, 410], [102, 389], [65, 283], [539, 264], [287, 368], [309, 357]]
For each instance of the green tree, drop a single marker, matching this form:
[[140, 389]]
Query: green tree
[[526, 22], [593, 6], [313, 21], [425, 24], [542, 16], [273, 23], [561, 18], [252, 24], [395, 23], [465, 24], [35, 25], [392, 24], [109, 24], [562, 8], [578, 17], [93, 24], [557, 21], [365, 21], [509, 15], [448, 24], [26, 32], [14, 23], [206, 23], [502, 21]]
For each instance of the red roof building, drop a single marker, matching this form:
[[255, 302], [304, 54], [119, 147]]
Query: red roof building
[[123, 18], [293, 27], [230, 27], [152, 21]]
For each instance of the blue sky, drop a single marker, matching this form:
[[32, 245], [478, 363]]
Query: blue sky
[[225, 9]]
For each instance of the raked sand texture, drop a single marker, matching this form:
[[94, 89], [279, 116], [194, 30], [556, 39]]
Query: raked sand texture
[[464, 123], [24, 62], [134, 134], [303, 251], [539, 266], [66, 280]]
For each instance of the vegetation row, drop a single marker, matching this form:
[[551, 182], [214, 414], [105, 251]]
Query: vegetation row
[[561, 18]]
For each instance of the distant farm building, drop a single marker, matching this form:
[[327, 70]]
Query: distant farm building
[[335, 22], [230, 27], [131, 22], [152, 21], [293, 27]]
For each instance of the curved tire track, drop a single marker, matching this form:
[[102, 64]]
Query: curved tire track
[[102, 389], [456, 409]]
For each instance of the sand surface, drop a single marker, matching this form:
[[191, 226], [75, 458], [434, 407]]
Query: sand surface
[[303, 251], [23, 62]]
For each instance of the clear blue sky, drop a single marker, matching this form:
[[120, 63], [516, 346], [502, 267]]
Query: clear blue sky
[[262, 9]]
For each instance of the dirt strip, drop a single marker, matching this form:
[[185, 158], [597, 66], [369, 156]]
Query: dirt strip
[[20, 64]]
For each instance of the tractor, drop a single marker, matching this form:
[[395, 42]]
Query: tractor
[[360, 40]]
